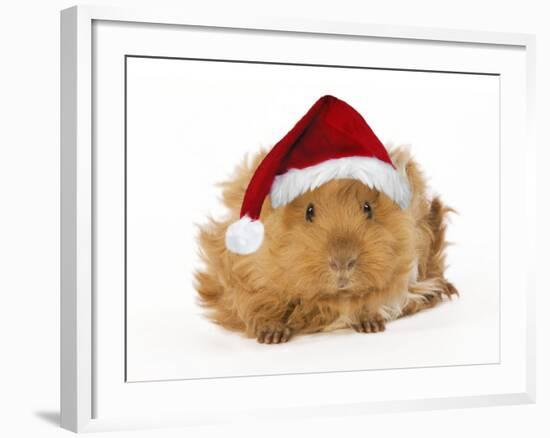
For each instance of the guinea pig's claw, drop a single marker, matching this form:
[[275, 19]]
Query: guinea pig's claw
[[277, 335], [370, 325]]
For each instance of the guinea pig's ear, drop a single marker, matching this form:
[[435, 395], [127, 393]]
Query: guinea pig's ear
[[401, 156], [409, 168], [402, 159]]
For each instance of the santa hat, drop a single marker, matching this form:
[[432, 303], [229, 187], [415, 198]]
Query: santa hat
[[331, 141]]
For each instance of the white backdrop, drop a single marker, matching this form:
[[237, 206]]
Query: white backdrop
[[189, 123], [29, 224]]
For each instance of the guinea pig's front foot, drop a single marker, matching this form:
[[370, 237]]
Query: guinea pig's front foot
[[273, 333], [370, 324]]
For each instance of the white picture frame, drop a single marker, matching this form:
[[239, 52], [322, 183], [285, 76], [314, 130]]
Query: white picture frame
[[95, 395]]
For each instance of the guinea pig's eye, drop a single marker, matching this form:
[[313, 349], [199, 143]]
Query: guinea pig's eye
[[310, 212], [367, 209]]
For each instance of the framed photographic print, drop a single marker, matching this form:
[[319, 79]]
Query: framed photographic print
[[269, 218]]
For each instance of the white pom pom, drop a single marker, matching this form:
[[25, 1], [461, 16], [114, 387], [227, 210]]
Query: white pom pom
[[244, 236]]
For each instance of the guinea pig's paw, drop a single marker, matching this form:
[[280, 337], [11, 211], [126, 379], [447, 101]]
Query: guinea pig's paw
[[370, 324], [273, 333]]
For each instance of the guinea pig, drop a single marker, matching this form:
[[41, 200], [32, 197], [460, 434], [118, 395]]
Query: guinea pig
[[343, 255]]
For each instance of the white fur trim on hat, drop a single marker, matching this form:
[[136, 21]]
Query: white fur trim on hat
[[369, 170], [244, 236]]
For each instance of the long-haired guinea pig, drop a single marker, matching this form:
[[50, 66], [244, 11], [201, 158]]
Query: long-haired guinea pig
[[340, 255]]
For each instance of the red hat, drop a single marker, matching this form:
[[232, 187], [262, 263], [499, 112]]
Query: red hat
[[332, 141]]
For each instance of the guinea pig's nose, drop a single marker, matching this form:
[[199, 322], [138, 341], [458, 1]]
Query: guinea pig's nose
[[345, 263], [343, 282]]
